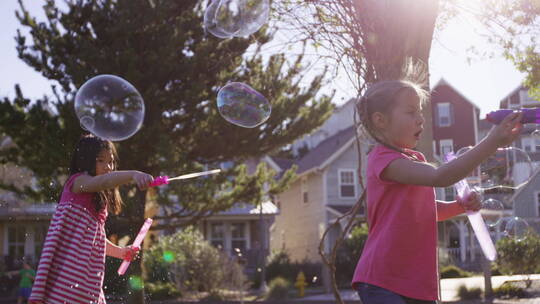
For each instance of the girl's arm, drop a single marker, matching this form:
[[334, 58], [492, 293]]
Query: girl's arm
[[88, 183], [406, 171], [118, 252], [113, 250], [446, 210]]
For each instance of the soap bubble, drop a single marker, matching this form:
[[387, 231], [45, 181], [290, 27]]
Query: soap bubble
[[229, 16], [492, 211], [254, 15], [243, 106], [109, 107], [500, 175], [210, 23], [516, 228], [239, 18]]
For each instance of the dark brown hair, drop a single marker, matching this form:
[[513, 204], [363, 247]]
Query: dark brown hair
[[84, 159]]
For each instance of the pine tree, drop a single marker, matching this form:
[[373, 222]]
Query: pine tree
[[162, 49]]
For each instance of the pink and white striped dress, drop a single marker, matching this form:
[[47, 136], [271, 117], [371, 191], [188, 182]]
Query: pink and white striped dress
[[72, 264]]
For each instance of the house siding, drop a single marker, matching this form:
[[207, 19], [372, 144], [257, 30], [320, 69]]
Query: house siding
[[347, 160], [462, 130], [296, 228]]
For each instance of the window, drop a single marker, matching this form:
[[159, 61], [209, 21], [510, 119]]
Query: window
[[526, 144], [347, 184], [16, 237], [238, 238], [40, 232], [444, 114], [217, 235], [449, 194], [446, 146], [305, 195]]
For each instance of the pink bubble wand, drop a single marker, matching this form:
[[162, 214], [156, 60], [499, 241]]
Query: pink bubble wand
[[137, 243], [163, 180], [475, 218]]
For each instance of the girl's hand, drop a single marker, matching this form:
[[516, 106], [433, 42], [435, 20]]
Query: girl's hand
[[142, 179], [507, 131], [471, 203], [130, 253]]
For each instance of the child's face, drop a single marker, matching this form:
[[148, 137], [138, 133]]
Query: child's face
[[104, 162], [405, 121]]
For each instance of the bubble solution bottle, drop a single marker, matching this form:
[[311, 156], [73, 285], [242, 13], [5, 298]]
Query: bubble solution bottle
[[530, 115]]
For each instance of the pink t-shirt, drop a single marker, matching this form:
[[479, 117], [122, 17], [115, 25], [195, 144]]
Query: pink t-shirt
[[400, 253]]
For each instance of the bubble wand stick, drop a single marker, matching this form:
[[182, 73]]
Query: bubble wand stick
[[163, 180], [475, 218], [137, 243]]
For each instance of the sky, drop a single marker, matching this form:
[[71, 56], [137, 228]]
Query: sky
[[483, 80]]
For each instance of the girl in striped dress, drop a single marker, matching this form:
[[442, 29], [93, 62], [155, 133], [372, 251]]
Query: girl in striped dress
[[72, 264]]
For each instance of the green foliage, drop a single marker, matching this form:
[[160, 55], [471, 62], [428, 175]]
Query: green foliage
[[452, 271], [192, 264], [469, 294], [278, 289], [519, 257], [349, 253], [280, 265], [509, 290], [162, 49], [161, 291], [213, 297]]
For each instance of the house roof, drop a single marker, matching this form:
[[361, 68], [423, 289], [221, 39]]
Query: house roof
[[268, 208], [514, 91], [9, 210], [316, 157], [443, 82], [342, 209]]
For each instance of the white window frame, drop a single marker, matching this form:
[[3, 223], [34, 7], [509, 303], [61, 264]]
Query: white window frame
[[445, 143], [227, 234], [340, 183], [8, 242], [439, 116]]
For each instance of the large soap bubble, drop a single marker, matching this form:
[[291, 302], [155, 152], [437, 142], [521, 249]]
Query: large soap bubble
[[228, 18], [243, 106], [516, 228], [109, 107]]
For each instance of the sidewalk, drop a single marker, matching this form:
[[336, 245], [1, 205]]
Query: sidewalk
[[449, 289]]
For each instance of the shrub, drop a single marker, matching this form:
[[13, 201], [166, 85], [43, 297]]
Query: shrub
[[193, 264], [280, 265], [508, 290], [469, 294], [213, 297], [161, 291], [452, 271], [278, 289], [519, 256]]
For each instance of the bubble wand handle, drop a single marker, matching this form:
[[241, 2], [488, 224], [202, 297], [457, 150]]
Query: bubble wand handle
[[530, 115], [475, 218], [160, 180], [137, 243]]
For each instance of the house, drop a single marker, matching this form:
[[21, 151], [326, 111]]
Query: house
[[526, 200]]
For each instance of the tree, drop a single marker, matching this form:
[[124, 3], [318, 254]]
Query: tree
[[161, 48], [519, 256], [514, 26]]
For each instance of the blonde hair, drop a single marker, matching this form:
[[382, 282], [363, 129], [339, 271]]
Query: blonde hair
[[381, 97]]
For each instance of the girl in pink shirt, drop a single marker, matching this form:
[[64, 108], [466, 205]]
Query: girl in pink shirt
[[399, 260], [72, 264]]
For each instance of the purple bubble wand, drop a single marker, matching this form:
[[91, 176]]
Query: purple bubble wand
[[475, 218]]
